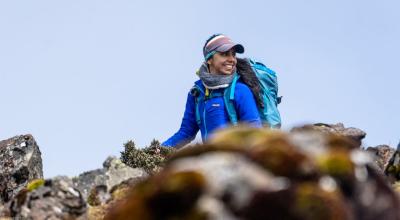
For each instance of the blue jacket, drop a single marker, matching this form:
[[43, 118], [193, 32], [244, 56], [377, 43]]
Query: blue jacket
[[214, 116]]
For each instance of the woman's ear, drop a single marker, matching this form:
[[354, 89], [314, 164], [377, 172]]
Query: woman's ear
[[209, 61]]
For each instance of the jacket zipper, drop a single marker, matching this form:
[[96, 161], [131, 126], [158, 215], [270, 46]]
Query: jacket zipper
[[204, 120]]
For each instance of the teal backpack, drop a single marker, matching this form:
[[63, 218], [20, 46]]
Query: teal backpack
[[269, 113]]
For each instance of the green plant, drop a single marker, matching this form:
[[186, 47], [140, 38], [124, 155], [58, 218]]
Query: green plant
[[150, 158]]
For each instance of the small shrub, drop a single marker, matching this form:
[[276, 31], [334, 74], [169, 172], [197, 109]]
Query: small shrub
[[150, 158]]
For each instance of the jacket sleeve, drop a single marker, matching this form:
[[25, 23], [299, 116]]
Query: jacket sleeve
[[189, 127], [246, 106]]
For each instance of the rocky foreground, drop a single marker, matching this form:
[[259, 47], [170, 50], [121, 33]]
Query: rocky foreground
[[317, 171]]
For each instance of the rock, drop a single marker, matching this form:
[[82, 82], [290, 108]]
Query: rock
[[3, 213], [396, 187], [56, 199], [353, 133], [101, 201], [365, 187], [20, 162], [232, 182], [382, 155], [392, 170], [99, 195], [113, 173], [247, 173]]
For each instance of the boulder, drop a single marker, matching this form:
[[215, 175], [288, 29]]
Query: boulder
[[382, 155], [55, 199], [247, 173], [100, 200], [3, 212], [20, 162], [353, 133], [113, 173], [392, 170]]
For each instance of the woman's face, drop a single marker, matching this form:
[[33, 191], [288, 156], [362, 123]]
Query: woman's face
[[223, 62]]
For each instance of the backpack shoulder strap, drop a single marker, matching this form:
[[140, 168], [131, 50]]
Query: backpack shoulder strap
[[229, 96], [198, 93]]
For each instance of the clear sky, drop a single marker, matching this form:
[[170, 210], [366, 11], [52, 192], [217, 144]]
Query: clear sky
[[83, 77]]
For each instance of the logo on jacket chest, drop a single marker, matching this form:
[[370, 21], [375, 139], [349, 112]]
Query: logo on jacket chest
[[215, 105]]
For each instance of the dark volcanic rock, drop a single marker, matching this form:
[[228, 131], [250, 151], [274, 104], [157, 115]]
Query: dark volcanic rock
[[20, 162], [56, 199]]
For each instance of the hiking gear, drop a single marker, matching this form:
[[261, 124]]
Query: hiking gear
[[212, 113], [269, 113], [244, 102], [214, 81], [220, 43]]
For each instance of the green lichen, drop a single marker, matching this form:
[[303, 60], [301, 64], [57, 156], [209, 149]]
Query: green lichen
[[336, 163], [311, 202], [278, 155], [92, 199], [34, 184], [150, 158], [396, 187]]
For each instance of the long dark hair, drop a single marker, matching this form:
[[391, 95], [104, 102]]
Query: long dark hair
[[248, 76]]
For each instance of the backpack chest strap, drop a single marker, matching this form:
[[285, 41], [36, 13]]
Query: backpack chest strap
[[201, 96], [228, 94]]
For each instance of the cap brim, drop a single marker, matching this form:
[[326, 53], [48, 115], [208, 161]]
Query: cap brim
[[225, 47]]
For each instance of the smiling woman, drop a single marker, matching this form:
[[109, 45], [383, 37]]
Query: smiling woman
[[205, 106], [223, 62]]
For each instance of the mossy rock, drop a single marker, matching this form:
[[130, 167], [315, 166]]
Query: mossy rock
[[151, 199], [336, 163], [313, 203]]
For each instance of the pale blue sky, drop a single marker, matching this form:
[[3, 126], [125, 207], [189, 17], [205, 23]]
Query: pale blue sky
[[86, 76]]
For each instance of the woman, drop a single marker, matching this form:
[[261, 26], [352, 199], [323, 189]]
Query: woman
[[216, 74]]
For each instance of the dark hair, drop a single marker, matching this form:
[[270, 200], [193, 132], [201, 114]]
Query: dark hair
[[208, 40], [248, 76]]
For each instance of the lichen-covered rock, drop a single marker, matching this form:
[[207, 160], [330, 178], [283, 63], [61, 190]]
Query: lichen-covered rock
[[56, 199], [100, 201], [353, 133], [20, 162], [113, 173], [98, 195], [355, 172], [247, 173], [382, 155], [173, 199], [4, 213], [392, 170], [396, 187]]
